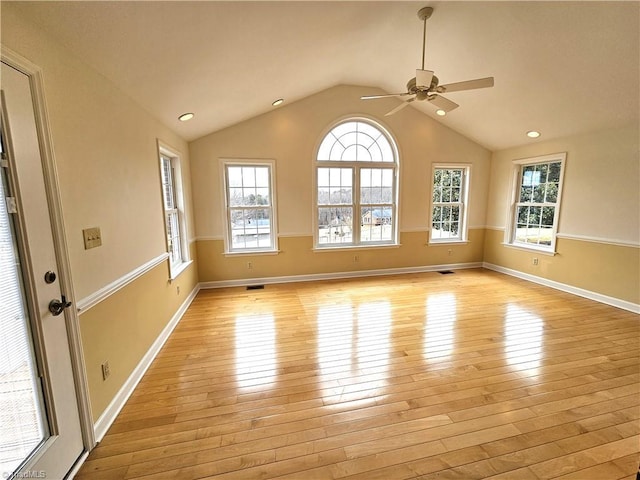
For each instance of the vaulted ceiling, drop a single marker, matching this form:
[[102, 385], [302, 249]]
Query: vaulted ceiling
[[562, 68]]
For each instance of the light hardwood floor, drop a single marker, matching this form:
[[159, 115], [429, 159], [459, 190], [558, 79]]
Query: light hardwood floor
[[468, 375]]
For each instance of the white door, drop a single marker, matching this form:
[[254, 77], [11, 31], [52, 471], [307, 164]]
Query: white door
[[40, 432]]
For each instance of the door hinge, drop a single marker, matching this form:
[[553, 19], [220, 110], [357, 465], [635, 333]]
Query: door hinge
[[12, 206]]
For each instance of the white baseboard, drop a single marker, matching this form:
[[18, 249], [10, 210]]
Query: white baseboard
[[581, 292], [111, 412], [337, 275]]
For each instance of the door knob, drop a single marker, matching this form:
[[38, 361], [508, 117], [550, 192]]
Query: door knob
[[56, 307]]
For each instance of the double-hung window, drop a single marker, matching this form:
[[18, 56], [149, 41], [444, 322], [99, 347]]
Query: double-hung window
[[449, 203], [356, 186], [173, 202], [249, 204], [536, 206]]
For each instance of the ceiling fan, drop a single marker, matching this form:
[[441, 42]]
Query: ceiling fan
[[424, 86]]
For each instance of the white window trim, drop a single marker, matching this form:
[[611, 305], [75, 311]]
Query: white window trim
[[175, 269], [466, 182], [514, 192], [395, 234], [223, 163]]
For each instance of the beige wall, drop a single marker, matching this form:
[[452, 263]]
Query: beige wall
[[298, 258], [105, 148], [290, 135], [599, 230], [123, 327]]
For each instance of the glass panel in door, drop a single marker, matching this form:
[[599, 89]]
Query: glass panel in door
[[23, 425]]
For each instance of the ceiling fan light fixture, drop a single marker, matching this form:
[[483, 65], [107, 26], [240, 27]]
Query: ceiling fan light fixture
[[441, 112], [277, 102], [186, 117], [533, 134]]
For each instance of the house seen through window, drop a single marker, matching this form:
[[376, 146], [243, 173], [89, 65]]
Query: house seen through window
[[356, 186]]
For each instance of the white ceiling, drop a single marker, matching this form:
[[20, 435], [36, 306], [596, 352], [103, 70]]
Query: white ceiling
[[560, 67]]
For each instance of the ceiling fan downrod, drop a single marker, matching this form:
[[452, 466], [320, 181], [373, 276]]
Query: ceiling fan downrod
[[424, 14]]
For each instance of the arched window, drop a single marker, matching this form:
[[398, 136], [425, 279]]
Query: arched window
[[356, 186]]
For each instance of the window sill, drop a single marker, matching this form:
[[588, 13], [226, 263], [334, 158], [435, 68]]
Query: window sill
[[524, 248], [355, 247], [252, 253], [178, 269], [447, 242]]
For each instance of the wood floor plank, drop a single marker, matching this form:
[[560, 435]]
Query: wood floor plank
[[470, 375]]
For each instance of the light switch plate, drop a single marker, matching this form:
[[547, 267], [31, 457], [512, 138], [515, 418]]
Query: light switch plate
[[92, 237]]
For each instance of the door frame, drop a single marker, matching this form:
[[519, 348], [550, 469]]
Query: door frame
[[34, 73]]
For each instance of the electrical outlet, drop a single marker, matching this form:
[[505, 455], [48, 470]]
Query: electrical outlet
[[177, 289], [106, 370], [449, 252], [249, 266], [356, 259], [535, 261], [92, 237]]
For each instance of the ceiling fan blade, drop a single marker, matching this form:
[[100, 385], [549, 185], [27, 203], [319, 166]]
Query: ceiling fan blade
[[443, 103], [373, 97], [399, 107], [423, 78], [468, 85]]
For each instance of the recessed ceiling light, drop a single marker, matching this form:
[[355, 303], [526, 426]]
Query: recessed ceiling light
[[185, 116], [533, 134], [277, 102], [441, 112]]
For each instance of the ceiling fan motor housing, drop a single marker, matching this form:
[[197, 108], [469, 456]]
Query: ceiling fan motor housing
[[415, 90]]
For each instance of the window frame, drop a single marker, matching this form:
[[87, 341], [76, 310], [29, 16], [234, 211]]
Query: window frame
[[516, 184], [356, 167], [180, 262], [227, 208], [463, 228]]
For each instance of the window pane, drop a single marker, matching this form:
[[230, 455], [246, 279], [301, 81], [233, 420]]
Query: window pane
[[445, 224], [376, 185], [446, 178], [523, 215], [262, 196], [547, 215], [248, 176], [538, 193], [437, 194], [262, 177], [554, 172], [455, 194], [456, 178], [530, 177], [552, 193], [167, 183], [335, 225], [323, 177], [542, 168], [234, 176], [437, 214], [376, 224], [546, 235], [535, 215], [526, 192], [250, 228], [173, 237]]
